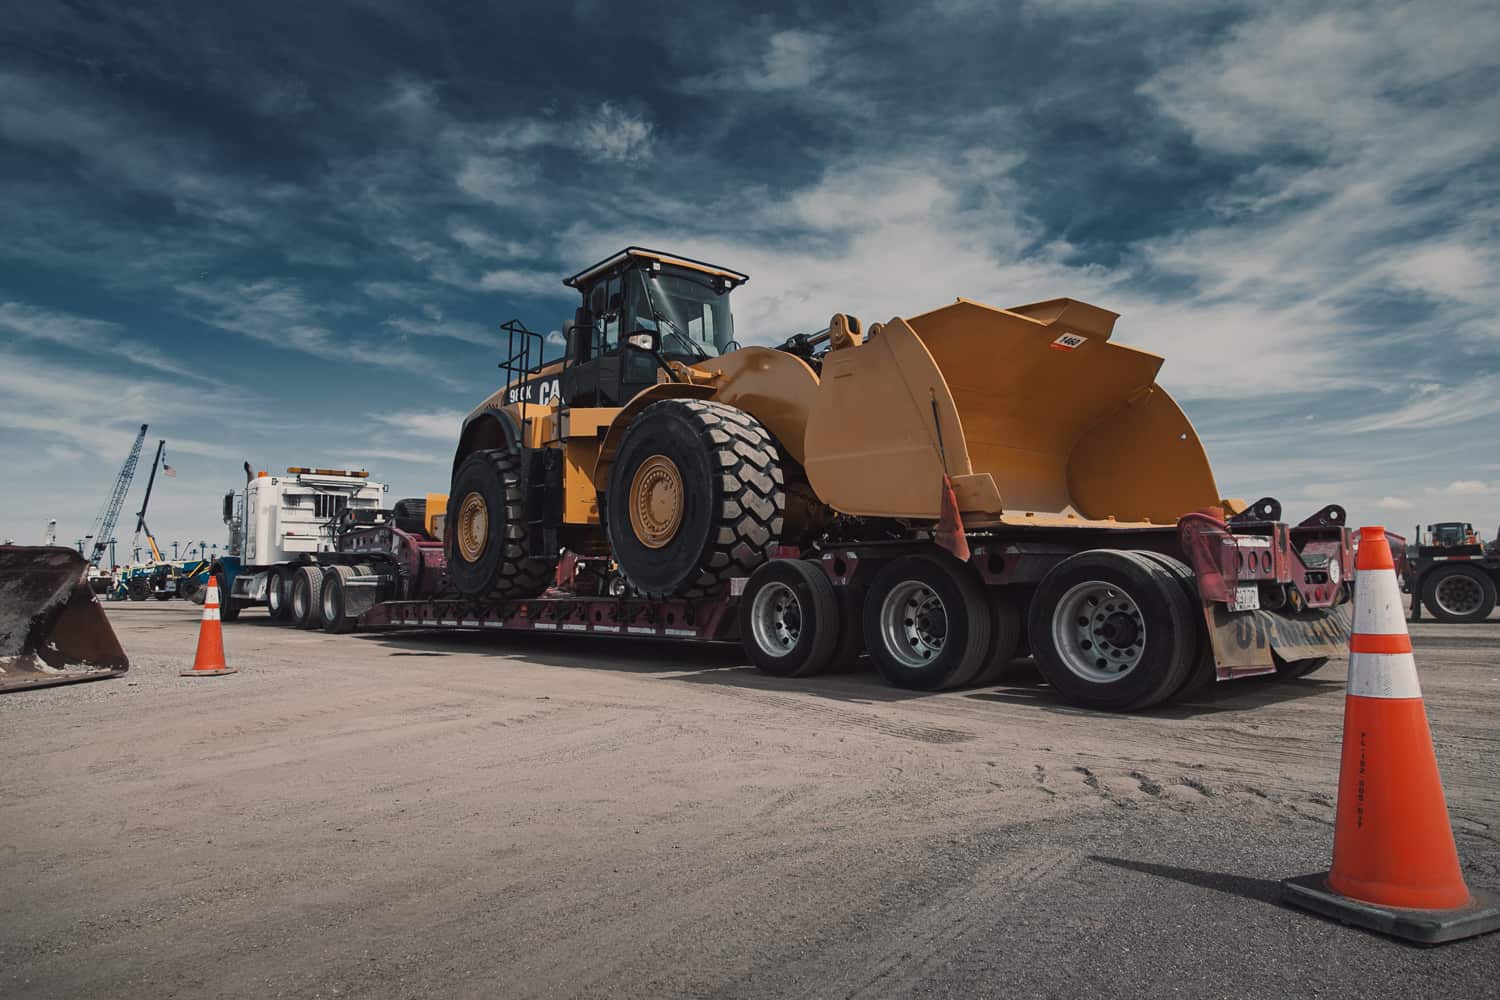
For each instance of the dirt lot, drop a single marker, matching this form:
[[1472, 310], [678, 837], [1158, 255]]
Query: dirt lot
[[441, 815]]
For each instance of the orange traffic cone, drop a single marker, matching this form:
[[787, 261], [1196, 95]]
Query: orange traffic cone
[[209, 660], [1395, 865]]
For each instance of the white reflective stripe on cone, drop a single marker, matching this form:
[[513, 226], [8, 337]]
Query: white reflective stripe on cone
[[210, 614], [1378, 607], [1383, 675]]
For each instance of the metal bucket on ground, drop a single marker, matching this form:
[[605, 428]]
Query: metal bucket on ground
[[52, 628]]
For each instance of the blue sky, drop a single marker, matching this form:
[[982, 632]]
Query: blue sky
[[288, 233]]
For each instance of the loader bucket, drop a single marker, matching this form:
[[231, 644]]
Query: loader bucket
[[52, 629], [1035, 415]]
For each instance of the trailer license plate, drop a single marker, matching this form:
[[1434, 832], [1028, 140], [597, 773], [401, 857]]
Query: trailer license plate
[[1247, 598]]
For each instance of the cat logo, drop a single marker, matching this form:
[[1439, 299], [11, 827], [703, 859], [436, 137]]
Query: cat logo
[[1068, 342], [541, 391]]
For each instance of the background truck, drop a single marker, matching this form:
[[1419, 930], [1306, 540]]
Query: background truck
[[940, 490], [317, 547], [1453, 572]]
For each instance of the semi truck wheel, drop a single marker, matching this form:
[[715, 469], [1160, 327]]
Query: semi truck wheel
[[927, 623], [1459, 594], [1006, 629], [279, 593], [333, 600], [789, 619], [486, 543], [307, 588], [1110, 630], [695, 498]]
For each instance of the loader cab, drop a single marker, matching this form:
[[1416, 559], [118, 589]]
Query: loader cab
[[641, 308]]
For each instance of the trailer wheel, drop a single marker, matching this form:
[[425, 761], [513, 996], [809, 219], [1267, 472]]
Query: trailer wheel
[[1297, 668], [1459, 593], [229, 608], [927, 623], [1110, 631], [307, 589], [851, 642], [695, 498], [333, 600], [1006, 630], [486, 534], [278, 593], [1201, 673], [789, 618]]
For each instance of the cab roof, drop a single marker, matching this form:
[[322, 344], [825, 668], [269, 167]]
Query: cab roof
[[620, 259]]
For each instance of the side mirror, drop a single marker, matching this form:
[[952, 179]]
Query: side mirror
[[646, 340]]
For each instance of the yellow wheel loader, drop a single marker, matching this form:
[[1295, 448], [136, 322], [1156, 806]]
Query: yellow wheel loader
[[941, 489]]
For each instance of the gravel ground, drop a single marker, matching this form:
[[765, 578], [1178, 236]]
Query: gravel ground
[[460, 815]]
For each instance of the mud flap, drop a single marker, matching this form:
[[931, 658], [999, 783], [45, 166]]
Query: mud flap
[[1243, 640], [52, 628]]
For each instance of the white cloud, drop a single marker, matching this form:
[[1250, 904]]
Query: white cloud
[[88, 336], [524, 282], [1393, 503], [1429, 408], [1464, 488], [789, 61], [613, 133], [439, 425]]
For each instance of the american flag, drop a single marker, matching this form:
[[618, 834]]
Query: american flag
[[166, 469]]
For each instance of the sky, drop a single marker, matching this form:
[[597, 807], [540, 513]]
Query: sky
[[287, 233]]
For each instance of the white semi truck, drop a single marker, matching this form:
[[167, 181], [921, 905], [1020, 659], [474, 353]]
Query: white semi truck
[[283, 535]]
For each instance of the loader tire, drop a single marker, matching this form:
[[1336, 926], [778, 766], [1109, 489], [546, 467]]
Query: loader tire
[[1459, 594], [486, 535], [307, 590], [789, 618], [927, 623], [1110, 630], [333, 600], [695, 498], [279, 594]]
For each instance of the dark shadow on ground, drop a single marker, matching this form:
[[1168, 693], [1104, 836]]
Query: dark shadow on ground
[[726, 664], [1262, 890]]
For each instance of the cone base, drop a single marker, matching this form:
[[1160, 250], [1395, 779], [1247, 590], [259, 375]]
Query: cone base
[[209, 673], [1311, 892]]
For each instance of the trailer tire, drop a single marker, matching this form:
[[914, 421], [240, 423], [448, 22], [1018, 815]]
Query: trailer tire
[[410, 515], [1458, 593], [1089, 614], [851, 642], [1007, 627], [307, 591], [695, 498], [229, 608], [1292, 669], [927, 623], [789, 618], [332, 600], [486, 534], [1201, 673], [278, 593]]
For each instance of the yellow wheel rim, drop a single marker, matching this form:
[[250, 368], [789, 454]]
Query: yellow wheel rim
[[656, 501], [473, 527]]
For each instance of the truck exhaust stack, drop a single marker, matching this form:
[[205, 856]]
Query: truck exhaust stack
[[52, 629]]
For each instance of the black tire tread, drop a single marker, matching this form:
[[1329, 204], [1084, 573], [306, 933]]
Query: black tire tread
[[746, 528], [518, 575]]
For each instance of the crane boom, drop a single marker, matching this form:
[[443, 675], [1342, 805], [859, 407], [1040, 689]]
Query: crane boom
[[140, 519], [104, 524]]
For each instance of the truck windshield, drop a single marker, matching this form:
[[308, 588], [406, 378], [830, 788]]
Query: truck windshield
[[691, 315]]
